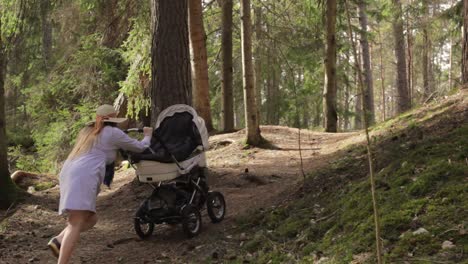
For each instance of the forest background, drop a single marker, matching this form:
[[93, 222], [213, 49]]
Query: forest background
[[64, 58]]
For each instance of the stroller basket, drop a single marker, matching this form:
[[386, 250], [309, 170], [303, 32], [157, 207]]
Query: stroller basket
[[153, 171]]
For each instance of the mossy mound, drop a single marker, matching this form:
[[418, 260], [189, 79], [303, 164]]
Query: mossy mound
[[422, 191]]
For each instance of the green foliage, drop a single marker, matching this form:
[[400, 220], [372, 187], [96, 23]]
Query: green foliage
[[44, 186], [136, 51], [10, 20], [60, 101], [291, 227], [22, 160], [19, 137], [255, 244], [416, 245], [3, 225]]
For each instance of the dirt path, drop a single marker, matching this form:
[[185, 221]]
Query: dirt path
[[271, 172]]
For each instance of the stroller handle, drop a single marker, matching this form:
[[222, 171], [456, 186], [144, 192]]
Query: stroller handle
[[139, 130]]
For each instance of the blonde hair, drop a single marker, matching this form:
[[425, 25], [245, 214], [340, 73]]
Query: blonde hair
[[86, 138]]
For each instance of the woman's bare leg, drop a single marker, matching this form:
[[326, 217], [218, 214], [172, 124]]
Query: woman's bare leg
[[90, 223], [78, 221]]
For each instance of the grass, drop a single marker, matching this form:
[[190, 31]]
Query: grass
[[421, 182], [44, 185], [3, 225]]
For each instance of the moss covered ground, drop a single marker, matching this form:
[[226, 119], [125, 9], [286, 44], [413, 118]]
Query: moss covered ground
[[422, 189]]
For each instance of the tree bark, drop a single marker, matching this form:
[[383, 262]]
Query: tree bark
[[329, 105], [250, 106], [258, 58], [7, 187], [450, 76], [318, 109], [366, 59], [465, 45], [358, 105], [170, 57], [45, 9], [201, 86], [426, 58], [272, 93], [382, 78], [346, 107], [409, 47], [226, 70], [403, 103]]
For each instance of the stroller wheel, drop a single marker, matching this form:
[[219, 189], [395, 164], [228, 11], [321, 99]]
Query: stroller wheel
[[191, 221], [142, 228], [216, 206]]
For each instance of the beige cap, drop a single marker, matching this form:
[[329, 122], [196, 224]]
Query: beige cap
[[106, 110]]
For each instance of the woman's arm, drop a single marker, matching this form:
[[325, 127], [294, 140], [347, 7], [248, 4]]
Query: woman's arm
[[123, 141]]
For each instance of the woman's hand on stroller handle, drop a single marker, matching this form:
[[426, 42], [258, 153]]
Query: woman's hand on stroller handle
[[147, 131]]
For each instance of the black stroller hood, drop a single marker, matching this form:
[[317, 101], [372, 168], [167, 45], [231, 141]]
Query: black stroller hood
[[176, 135]]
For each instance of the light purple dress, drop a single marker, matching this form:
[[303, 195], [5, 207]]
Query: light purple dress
[[81, 177]]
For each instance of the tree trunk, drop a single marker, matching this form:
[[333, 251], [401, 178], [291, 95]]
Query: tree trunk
[[347, 86], [7, 187], [251, 114], [367, 68], [274, 90], [403, 103], [45, 9], [201, 86], [318, 109], [426, 58], [409, 46], [329, 105], [358, 105], [346, 107], [270, 94], [450, 76], [258, 56], [170, 57], [226, 70], [465, 45], [382, 78]]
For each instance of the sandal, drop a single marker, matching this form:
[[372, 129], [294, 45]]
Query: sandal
[[54, 246]]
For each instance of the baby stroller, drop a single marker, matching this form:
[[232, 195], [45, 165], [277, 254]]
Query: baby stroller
[[175, 166]]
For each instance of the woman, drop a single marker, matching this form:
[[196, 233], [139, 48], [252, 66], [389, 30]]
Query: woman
[[83, 173]]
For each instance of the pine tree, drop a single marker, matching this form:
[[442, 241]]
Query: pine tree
[[329, 95], [226, 70], [465, 44], [201, 86], [403, 102], [170, 55], [7, 187], [251, 114]]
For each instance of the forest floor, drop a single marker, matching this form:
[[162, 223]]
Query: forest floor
[[274, 177], [272, 173]]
